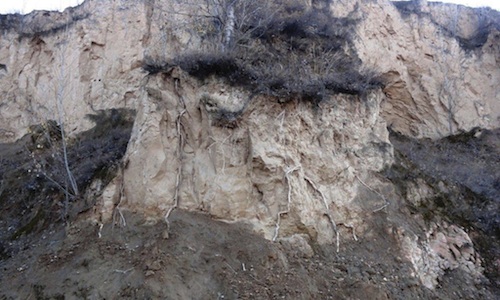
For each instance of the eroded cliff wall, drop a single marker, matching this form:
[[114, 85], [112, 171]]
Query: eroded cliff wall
[[441, 63], [290, 169]]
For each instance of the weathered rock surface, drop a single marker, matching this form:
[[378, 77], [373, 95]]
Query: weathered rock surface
[[285, 159], [66, 65], [446, 247], [436, 85], [290, 170]]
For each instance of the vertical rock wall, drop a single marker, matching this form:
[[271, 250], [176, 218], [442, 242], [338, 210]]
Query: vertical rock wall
[[86, 58], [437, 83], [276, 157], [286, 168]]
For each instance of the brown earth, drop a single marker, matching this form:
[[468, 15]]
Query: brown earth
[[206, 259]]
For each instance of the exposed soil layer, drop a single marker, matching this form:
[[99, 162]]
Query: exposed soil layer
[[199, 258]]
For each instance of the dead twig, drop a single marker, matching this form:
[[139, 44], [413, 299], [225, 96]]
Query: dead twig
[[231, 267], [123, 271], [40, 170]]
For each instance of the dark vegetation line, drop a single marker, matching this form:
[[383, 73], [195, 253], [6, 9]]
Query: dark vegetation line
[[41, 24], [283, 50]]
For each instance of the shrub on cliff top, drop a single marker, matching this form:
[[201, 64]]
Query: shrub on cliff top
[[281, 49]]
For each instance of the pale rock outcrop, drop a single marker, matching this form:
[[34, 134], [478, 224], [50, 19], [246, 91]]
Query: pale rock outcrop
[[445, 248], [435, 87], [189, 145], [86, 58]]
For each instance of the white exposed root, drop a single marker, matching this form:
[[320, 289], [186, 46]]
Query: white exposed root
[[327, 211], [118, 210], [338, 241], [289, 202], [376, 192], [222, 143], [282, 117], [179, 170], [380, 208], [353, 230], [101, 225], [123, 222]]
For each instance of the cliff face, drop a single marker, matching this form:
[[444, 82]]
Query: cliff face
[[294, 170], [441, 63], [88, 57]]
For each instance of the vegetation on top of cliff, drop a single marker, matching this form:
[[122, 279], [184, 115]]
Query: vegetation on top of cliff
[[278, 48], [42, 23]]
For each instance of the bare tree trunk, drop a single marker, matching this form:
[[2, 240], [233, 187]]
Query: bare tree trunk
[[229, 27], [60, 91]]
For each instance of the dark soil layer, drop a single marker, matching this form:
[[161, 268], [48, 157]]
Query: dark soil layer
[[207, 259], [464, 171]]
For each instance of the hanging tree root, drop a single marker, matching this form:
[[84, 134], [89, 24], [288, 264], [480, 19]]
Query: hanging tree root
[[222, 142], [327, 211], [386, 203], [180, 134], [289, 202], [354, 236], [117, 208]]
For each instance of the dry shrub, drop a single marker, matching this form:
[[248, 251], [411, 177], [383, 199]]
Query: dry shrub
[[33, 179], [276, 48]]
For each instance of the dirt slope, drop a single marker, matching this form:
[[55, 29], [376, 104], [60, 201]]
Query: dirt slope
[[207, 259]]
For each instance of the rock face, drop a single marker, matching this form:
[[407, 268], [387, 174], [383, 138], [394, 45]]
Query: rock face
[[445, 248], [288, 169], [276, 159], [66, 65], [441, 77]]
